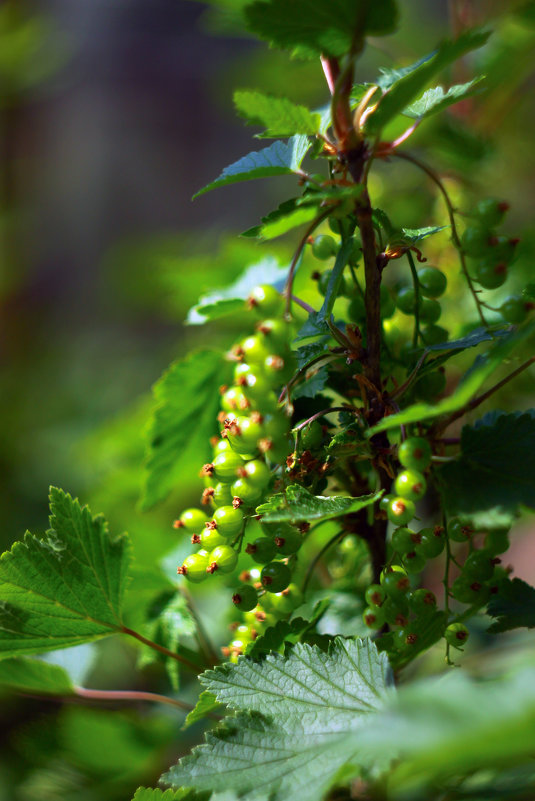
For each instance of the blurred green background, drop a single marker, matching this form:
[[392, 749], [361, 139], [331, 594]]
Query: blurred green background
[[111, 116]]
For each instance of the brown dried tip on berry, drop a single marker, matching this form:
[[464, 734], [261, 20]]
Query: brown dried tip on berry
[[243, 404], [178, 524], [430, 599], [207, 495], [370, 619], [291, 461], [237, 502], [212, 567], [265, 444], [221, 417], [411, 639], [225, 650], [214, 441], [195, 539], [279, 541], [401, 620], [304, 527], [260, 616], [244, 576], [256, 417], [275, 362], [376, 598], [181, 570], [223, 388], [254, 634], [257, 585], [207, 470], [316, 275], [236, 598], [476, 586], [438, 531], [461, 635], [241, 472], [210, 525]]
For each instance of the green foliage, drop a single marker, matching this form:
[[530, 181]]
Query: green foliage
[[436, 99], [65, 588], [145, 794], [280, 158], [186, 404], [513, 606], [297, 503], [497, 463], [305, 709], [34, 676], [278, 115]]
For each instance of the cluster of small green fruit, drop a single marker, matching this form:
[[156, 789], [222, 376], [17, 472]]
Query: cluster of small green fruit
[[254, 442], [494, 253], [393, 601]]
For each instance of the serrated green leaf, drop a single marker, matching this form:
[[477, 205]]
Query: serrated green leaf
[[312, 385], [34, 676], [436, 99], [513, 606], [187, 402], [285, 631], [313, 27], [287, 216], [297, 503], [230, 299], [304, 711], [472, 339], [414, 79], [472, 381], [169, 623], [306, 353], [280, 158], [417, 234], [66, 588], [496, 467], [184, 794], [206, 704], [278, 115]]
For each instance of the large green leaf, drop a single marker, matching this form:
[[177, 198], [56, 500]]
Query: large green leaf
[[34, 676], [148, 794], [297, 731], [65, 588], [403, 91], [287, 216], [313, 27], [280, 158], [513, 606], [187, 402], [278, 115], [496, 467], [483, 368], [230, 299], [436, 99], [297, 503]]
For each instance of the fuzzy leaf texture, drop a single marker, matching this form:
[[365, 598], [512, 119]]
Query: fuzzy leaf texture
[[278, 115], [280, 158], [513, 606], [66, 588], [314, 27], [406, 88], [187, 398], [496, 467], [297, 503], [295, 717]]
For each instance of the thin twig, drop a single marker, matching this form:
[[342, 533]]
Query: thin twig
[[291, 272], [129, 695]]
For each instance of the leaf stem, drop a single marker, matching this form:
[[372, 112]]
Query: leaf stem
[[129, 695], [157, 647], [416, 285], [295, 260]]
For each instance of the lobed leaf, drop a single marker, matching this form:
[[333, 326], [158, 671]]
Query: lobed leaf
[[280, 158], [187, 402], [148, 794], [436, 99], [65, 588], [287, 216], [297, 503], [206, 704], [403, 90], [278, 115], [513, 606]]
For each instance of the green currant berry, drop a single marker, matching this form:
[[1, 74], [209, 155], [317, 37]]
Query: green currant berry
[[284, 603], [375, 595], [253, 350], [459, 530], [233, 400], [468, 591], [275, 576], [491, 274], [243, 434], [259, 389], [475, 240], [395, 581], [211, 538], [228, 521], [261, 550], [288, 543], [422, 602], [430, 310], [396, 610], [400, 511], [434, 334], [194, 567], [265, 300], [256, 472], [226, 466], [245, 597], [404, 540], [432, 541], [388, 304], [414, 562], [323, 283], [490, 212], [415, 453], [221, 446], [222, 495], [247, 492], [357, 309], [410, 484], [384, 503], [502, 249], [433, 282], [406, 300], [374, 617], [478, 566], [223, 559], [276, 333], [193, 520], [311, 436], [514, 310], [497, 541], [456, 634], [324, 247]]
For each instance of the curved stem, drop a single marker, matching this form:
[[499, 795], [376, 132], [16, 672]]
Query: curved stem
[[293, 266], [451, 214], [156, 647], [129, 695]]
